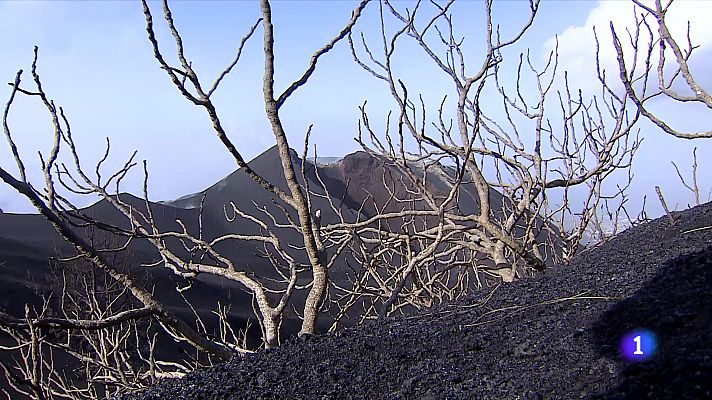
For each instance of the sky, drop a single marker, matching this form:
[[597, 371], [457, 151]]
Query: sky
[[97, 63]]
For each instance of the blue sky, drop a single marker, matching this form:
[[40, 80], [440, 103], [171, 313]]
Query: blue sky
[[96, 61]]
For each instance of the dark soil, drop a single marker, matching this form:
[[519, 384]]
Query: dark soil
[[527, 340]]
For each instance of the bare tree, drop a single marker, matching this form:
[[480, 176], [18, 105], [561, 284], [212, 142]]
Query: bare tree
[[669, 77], [40, 379], [644, 39], [534, 163], [54, 207]]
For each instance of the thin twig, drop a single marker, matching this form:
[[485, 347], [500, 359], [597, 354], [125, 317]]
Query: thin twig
[[515, 308], [704, 228], [662, 201]]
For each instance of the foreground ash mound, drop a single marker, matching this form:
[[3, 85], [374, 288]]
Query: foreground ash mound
[[554, 336]]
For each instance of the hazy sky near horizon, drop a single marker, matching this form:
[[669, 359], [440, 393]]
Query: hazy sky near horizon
[[97, 63]]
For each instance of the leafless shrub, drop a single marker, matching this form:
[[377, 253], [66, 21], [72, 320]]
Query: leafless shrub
[[91, 339]]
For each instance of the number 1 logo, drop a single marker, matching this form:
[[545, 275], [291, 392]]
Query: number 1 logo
[[638, 341], [638, 345]]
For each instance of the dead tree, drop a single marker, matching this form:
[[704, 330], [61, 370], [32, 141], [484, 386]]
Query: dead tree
[[171, 245], [637, 77], [659, 68], [549, 145]]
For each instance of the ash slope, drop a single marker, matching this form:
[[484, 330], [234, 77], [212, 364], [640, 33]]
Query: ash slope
[[546, 345]]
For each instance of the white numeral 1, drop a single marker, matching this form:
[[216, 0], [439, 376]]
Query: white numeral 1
[[637, 341]]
